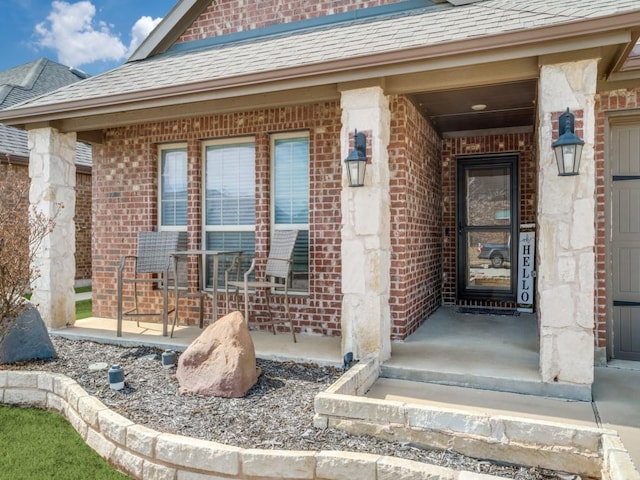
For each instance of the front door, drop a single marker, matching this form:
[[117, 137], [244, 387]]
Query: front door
[[625, 239], [487, 227]]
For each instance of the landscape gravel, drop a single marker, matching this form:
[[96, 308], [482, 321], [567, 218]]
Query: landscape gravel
[[277, 413]]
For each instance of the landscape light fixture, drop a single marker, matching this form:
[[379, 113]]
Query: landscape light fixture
[[356, 162], [568, 147], [116, 377]]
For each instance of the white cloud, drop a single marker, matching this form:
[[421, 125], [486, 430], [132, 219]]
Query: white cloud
[[140, 30], [79, 39]]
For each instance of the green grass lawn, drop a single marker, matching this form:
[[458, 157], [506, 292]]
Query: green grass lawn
[[83, 309], [83, 289], [37, 444]]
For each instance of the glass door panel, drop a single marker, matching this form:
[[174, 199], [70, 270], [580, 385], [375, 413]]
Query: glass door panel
[[487, 193], [489, 265]]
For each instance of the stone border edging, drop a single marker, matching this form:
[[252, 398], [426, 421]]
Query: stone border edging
[[144, 453], [591, 451]]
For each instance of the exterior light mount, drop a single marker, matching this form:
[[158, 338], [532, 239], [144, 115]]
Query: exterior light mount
[[356, 161], [568, 147]]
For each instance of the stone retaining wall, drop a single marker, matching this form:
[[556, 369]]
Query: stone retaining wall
[[592, 452], [144, 453]]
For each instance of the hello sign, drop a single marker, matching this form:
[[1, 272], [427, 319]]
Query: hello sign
[[526, 270]]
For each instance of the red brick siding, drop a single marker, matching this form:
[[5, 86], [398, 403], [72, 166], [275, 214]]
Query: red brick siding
[[83, 226], [231, 16], [82, 218], [616, 100], [416, 218], [21, 172], [522, 143], [125, 201]]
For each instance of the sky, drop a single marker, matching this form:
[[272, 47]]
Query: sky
[[92, 35]]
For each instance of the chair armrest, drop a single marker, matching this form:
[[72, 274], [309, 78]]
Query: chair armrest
[[248, 272], [235, 263]]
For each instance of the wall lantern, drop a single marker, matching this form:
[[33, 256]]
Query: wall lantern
[[356, 162], [568, 147]]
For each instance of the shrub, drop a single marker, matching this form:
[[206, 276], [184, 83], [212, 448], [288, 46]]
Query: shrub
[[22, 230]]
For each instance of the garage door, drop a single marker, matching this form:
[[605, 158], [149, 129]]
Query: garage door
[[625, 240]]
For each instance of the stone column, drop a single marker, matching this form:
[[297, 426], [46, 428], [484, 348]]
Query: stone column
[[366, 244], [53, 179], [566, 233]]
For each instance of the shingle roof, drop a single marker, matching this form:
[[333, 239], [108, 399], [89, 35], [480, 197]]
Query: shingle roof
[[33, 80], [416, 28]]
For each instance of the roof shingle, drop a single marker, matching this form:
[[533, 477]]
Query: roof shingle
[[27, 81], [416, 28]]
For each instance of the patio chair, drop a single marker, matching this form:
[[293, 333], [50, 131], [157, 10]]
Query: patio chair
[[150, 265], [276, 278]]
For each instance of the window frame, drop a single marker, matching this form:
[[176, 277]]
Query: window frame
[[217, 228], [162, 148], [206, 229], [272, 195]]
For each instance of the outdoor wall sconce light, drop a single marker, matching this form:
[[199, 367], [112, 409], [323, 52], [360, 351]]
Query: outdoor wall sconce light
[[568, 147], [356, 162]]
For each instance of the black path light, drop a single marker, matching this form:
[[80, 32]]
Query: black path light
[[568, 147], [356, 162]]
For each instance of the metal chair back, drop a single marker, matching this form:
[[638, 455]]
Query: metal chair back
[[281, 253], [154, 249]]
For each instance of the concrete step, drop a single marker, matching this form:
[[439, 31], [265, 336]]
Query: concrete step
[[488, 382]]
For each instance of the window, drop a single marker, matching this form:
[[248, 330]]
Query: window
[[173, 188], [290, 202], [229, 197]]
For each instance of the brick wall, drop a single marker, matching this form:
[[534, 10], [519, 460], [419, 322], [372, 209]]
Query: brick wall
[[616, 100], [416, 218], [82, 218], [231, 16], [83, 226], [126, 190], [522, 143]]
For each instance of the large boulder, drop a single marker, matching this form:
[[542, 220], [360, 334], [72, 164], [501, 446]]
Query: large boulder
[[26, 338], [221, 361]]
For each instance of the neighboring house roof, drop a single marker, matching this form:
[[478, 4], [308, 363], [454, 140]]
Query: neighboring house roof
[[33, 79], [418, 34], [28, 81]]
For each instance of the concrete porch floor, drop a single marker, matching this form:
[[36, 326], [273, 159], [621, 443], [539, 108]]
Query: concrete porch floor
[[309, 348], [450, 351], [491, 352]]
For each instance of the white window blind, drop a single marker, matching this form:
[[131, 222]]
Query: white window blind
[[230, 198], [291, 198], [173, 187]]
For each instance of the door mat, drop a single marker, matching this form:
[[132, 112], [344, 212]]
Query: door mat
[[488, 311]]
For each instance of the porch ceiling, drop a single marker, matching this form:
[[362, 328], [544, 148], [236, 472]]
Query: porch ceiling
[[506, 105]]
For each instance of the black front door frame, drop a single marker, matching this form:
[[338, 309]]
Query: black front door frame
[[488, 161]]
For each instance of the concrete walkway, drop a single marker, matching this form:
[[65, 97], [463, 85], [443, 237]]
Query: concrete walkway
[[616, 394], [616, 390]]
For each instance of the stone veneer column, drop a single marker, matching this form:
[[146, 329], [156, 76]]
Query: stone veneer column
[[566, 233], [366, 243], [53, 178]]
